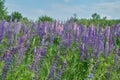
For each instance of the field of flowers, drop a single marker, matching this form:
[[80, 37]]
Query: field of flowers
[[59, 51]]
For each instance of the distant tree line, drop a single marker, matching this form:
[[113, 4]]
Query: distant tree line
[[95, 20]]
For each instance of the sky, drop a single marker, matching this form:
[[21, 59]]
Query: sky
[[64, 9]]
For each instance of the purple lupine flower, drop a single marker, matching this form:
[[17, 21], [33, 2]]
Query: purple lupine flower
[[41, 61], [116, 28], [77, 34], [60, 72], [82, 52], [8, 57], [85, 37], [2, 31], [90, 76], [96, 54], [37, 54], [10, 36], [118, 34], [21, 40], [33, 27], [112, 29], [69, 39], [66, 39], [111, 43], [93, 31], [101, 46], [27, 33], [55, 26], [35, 66], [17, 27], [40, 32], [107, 32], [38, 62], [53, 68], [6, 67], [106, 49], [21, 52], [92, 37], [89, 31], [66, 28]]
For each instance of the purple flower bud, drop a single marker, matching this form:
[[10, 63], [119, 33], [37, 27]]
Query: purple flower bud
[[101, 46], [10, 36], [20, 55], [118, 34], [53, 68], [21, 40], [96, 54], [82, 52], [107, 32], [17, 27], [90, 76], [40, 32], [37, 55], [106, 49], [60, 72], [111, 43], [8, 57], [2, 31], [85, 37]]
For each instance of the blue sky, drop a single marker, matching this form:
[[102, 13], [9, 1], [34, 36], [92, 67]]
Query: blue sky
[[64, 9]]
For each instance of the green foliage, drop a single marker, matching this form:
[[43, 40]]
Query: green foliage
[[84, 22], [26, 74], [95, 16], [8, 17], [57, 40], [96, 21], [45, 18], [101, 68], [16, 15], [3, 11]]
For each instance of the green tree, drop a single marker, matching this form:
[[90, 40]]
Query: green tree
[[16, 15], [75, 17], [3, 12], [95, 19], [96, 16], [104, 18], [45, 18]]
